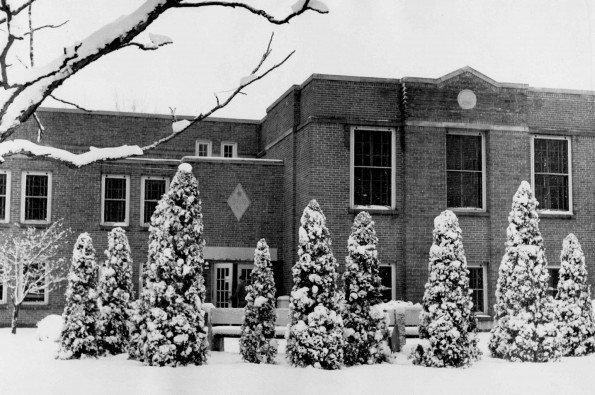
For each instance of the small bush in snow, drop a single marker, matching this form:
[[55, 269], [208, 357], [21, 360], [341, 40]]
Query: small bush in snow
[[50, 328], [257, 342], [575, 314], [115, 292], [366, 330], [525, 322], [446, 319], [168, 322], [315, 333], [81, 313]]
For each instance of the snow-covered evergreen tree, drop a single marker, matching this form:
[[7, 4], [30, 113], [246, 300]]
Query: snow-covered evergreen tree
[[168, 321], [315, 333], [81, 313], [525, 317], [366, 329], [575, 314], [447, 319], [257, 342], [115, 292]]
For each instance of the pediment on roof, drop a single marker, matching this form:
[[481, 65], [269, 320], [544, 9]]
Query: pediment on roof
[[465, 73]]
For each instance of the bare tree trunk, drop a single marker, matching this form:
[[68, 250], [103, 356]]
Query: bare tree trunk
[[15, 318]]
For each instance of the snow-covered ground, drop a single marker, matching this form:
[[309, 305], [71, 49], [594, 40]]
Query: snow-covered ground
[[27, 366]]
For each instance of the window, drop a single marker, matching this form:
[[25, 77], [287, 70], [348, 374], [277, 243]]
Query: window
[[465, 169], [552, 283], [4, 197], [39, 297], [223, 284], [245, 269], [229, 150], [152, 188], [373, 168], [478, 287], [115, 195], [387, 282], [203, 148], [3, 297], [36, 193], [551, 165]]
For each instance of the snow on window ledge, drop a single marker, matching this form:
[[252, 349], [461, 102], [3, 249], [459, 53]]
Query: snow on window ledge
[[555, 214]]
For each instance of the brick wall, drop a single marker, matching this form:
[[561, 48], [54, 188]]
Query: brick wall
[[76, 197]]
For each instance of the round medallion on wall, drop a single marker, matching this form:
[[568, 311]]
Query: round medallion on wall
[[467, 99]]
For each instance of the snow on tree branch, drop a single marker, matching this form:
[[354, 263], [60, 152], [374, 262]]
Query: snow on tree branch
[[29, 148], [22, 90]]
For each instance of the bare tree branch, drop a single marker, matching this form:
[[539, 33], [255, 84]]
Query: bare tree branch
[[40, 128], [249, 80], [145, 47], [23, 93], [17, 10], [69, 103], [32, 30], [251, 9]]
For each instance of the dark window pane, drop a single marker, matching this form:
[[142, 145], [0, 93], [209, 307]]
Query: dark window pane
[[551, 191], [2, 184], [203, 149], [2, 208], [36, 185], [35, 275], [115, 211], [115, 188], [386, 281], [476, 286], [372, 186], [35, 297], [463, 152], [150, 207], [154, 189], [553, 281], [228, 151], [36, 209]]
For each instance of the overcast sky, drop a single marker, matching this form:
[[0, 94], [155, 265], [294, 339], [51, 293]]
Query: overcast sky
[[543, 43]]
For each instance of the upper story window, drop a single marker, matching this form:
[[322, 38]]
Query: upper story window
[[4, 197], [373, 167], [152, 188], [115, 198], [552, 169], [465, 171], [3, 296], [203, 148], [229, 150], [36, 197]]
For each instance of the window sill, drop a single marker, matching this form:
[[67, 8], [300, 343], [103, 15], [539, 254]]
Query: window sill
[[554, 214], [110, 227], [469, 213], [37, 225], [35, 306], [372, 211]]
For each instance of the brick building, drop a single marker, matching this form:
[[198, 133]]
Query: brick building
[[403, 149]]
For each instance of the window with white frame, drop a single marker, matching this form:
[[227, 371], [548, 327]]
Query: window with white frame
[[229, 149], [4, 196], [373, 167], [203, 148], [465, 170], [38, 296], [387, 282], [115, 198], [478, 287], [36, 197], [552, 172], [554, 277], [151, 190]]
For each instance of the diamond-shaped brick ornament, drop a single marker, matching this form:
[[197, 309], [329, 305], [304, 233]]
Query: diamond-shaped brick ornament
[[238, 201]]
